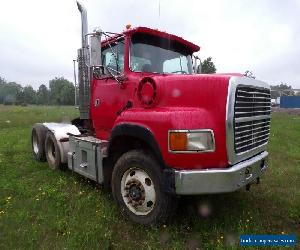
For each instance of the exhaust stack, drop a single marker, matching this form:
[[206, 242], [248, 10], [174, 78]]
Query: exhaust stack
[[83, 67], [84, 23]]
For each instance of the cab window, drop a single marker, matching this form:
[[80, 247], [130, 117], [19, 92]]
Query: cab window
[[113, 57]]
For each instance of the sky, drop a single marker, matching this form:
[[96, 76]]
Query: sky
[[39, 38]]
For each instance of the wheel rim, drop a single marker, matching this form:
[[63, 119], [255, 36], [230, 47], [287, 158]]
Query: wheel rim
[[35, 142], [138, 191]]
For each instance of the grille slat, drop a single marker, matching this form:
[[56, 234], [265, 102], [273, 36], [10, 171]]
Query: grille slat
[[251, 130], [251, 118], [253, 138], [255, 97], [250, 135], [247, 93], [253, 107], [242, 102], [248, 125], [256, 144], [252, 111]]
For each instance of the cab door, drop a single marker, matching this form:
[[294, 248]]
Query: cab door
[[109, 97]]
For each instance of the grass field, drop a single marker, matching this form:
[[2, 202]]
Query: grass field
[[46, 209]]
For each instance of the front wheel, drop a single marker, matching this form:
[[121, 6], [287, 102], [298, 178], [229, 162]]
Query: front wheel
[[137, 186]]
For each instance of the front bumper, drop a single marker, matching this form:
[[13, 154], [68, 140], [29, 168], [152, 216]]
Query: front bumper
[[208, 181]]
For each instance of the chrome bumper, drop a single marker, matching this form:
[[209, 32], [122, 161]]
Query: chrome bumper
[[189, 182]]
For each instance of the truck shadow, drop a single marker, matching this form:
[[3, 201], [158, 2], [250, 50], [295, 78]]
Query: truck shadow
[[227, 212], [219, 217], [208, 207]]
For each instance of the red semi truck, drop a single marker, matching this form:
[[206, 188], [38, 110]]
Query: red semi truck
[[152, 128]]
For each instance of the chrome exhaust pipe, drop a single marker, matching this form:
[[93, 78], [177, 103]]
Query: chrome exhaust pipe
[[84, 23], [83, 68]]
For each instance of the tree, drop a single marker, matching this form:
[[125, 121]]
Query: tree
[[29, 95], [67, 94], [42, 95], [2, 84], [282, 89], [207, 66], [9, 91], [61, 91], [2, 80]]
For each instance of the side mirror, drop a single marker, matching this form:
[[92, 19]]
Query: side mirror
[[95, 53], [197, 65]]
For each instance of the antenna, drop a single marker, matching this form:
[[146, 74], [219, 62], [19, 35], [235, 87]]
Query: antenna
[[158, 13]]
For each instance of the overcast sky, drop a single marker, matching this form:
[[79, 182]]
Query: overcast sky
[[39, 38]]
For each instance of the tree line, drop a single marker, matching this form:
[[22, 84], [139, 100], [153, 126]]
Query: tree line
[[281, 90], [60, 92]]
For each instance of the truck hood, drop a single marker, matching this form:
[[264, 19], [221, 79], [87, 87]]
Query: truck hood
[[205, 91]]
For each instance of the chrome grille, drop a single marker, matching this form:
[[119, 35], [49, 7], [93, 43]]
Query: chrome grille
[[252, 111]]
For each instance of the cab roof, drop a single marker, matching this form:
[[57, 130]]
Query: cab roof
[[154, 32]]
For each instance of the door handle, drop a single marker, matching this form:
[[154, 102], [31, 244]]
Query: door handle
[[97, 102]]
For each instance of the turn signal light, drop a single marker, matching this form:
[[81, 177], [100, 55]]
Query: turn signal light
[[178, 141]]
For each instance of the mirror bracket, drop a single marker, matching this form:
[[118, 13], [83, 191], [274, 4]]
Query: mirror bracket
[[197, 68]]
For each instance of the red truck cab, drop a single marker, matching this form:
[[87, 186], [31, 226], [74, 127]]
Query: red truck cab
[[159, 92], [154, 129]]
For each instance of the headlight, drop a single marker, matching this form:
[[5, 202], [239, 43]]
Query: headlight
[[191, 141]]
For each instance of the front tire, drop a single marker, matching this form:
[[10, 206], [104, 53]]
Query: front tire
[[137, 186]]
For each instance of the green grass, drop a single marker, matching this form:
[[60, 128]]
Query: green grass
[[42, 208]]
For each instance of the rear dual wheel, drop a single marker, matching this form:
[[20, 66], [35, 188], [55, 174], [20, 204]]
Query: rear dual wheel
[[44, 146], [38, 136], [137, 186], [52, 151]]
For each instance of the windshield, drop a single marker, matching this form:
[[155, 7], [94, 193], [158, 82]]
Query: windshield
[[158, 55]]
